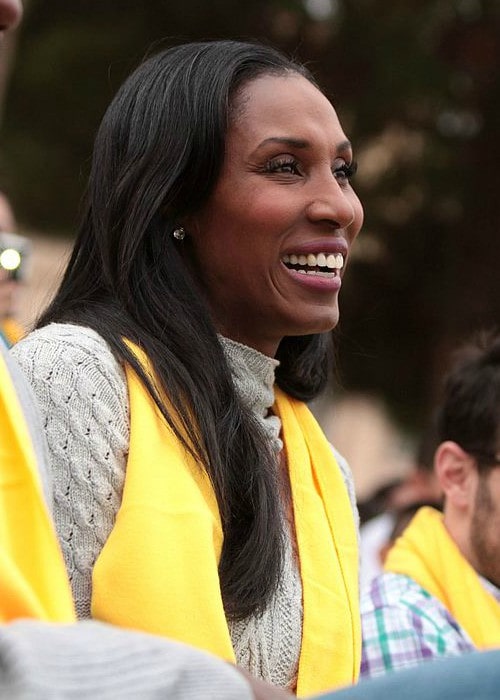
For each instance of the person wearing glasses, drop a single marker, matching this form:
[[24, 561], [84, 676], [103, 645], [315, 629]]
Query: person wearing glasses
[[440, 592]]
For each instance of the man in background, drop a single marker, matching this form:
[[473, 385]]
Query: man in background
[[440, 592], [383, 513]]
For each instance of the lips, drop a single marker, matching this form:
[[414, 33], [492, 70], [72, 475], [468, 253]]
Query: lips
[[323, 264]]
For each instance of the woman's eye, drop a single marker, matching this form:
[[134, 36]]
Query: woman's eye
[[346, 171], [288, 166]]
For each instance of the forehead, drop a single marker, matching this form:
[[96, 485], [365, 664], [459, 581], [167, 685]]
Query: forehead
[[285, 105]]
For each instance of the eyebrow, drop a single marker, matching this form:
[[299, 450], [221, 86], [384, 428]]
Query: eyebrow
[[302, 143]]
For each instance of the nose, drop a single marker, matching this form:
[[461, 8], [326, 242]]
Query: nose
[[332, 202], [10, 13]]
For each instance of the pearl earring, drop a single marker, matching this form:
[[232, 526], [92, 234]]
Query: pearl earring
[[179, 233]]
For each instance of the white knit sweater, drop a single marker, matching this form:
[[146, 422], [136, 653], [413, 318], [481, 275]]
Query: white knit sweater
[[88, 660], [82, 393]]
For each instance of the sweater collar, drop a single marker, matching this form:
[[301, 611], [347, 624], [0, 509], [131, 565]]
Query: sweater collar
[[253, 375]]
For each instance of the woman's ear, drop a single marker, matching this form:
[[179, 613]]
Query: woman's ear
[[457, 474]]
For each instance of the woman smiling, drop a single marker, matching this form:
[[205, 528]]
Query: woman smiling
[[195, 495]]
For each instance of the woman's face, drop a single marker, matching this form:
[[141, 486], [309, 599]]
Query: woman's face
[[270, 246]]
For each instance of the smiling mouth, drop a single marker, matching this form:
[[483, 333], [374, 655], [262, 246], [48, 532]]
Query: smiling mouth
[[322, 264]]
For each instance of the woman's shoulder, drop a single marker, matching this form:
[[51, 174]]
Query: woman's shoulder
[[66, 343], [65, 337], [64, 353]]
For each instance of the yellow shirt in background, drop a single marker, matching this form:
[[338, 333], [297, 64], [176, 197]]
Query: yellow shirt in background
[[33, 581]]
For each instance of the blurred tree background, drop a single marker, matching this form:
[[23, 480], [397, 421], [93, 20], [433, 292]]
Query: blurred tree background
[[416, 84]]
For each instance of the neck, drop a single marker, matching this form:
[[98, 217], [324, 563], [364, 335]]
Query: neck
[[458, 532], [264, 346], [253, 377]]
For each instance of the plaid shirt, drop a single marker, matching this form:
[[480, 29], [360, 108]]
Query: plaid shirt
[[403, 625]]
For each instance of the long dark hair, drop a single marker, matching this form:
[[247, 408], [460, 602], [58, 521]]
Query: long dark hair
[[157, 157]]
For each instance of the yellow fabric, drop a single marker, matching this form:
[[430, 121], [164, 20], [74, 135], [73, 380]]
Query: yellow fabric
[[158, 571], [33, 580], [12, 330], [328, 553], [427, 554]]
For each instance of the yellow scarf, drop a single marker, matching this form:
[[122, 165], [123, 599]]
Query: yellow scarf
[[33, 580], [12, 330], [427, 554], [158, 571]]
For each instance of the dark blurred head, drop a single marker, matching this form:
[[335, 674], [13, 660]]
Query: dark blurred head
[[468, 457], [10, 14], [469, 413]]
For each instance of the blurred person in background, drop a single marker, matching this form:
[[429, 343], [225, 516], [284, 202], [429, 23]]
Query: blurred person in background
[[382, 514], [439, 594], [10, 14], [14, 250]]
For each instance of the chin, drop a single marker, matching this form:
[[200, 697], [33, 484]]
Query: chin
[[320, 325], [326, 321]]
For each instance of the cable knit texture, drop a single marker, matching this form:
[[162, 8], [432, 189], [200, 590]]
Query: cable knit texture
[[82, 393], [253, 377]]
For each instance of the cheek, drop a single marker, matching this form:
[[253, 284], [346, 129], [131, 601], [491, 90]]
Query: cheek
[[263, 209], [240, 234]]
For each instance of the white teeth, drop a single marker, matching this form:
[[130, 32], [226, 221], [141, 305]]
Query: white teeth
[[317, 273], [333, 261]]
